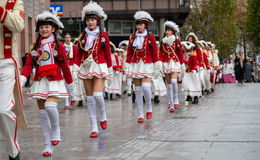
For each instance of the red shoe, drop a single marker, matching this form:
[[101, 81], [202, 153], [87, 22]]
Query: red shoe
[[55, 142], [140, 120], [72, 102], [103, 125], [176, 106], [47, 154], [66, 107], [172, 109], [169, 105], [148, 115], [93, 134]]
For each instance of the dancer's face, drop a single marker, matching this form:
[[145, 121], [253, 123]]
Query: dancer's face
[[91, 23], [190, 39], [140, 27], [46, 30], [169, 32], [67, 39]]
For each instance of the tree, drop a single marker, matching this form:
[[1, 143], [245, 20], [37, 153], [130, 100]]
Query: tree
[[214, 21], [253, 22]]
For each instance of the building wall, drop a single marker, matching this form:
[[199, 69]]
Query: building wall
[[32, 8]]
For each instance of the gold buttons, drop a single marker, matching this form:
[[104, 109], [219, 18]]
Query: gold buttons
[[8, 47], [7, 35]]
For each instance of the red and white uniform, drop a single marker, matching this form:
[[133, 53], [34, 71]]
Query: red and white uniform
[[191, 82], [48, 79], [74, 63], [11, 106], [116, 82], [172, 56], [95, 55], [142, 53], [204, 70]]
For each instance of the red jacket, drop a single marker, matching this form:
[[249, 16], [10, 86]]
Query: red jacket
[[62, 66], [101, 54], [205, 60], [167, 54], [194, 61], [75, 59], [149, 53]]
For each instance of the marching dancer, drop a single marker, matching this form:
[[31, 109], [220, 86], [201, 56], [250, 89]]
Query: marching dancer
[[172, 58], [142, 62], [72, 55], [11, 23], [215, 65], [205, 72], [94, 48], [191, 82], [48, 56]]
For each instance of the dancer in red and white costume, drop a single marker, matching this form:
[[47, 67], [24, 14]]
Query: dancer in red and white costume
[[215, 66], [172, 57], [48, 56], [74, 62], [94, 48], [205, 72], [142, 62], [11, 23], [115, 87], [191, 82]]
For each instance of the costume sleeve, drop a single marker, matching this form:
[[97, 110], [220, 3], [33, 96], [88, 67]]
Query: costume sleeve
[[64, 65], [180, 53], [129, 50], [206, 61], [154, 49], [76, 55], [14, 20], [199, 57], [27, 69], [107, 50]]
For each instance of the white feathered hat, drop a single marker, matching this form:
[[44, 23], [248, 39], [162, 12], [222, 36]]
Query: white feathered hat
[[204, 43], [191, 34], [143, 16], [125, 42], [112, 46], [187, 45], [119, 50], [171, 24], [209, 43], [92, 8], [47, 17]]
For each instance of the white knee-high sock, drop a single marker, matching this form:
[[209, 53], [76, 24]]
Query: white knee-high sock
[[92, 113], [139, 101], [175, 91], [170, 95], [101, 105], [147, 89], [46, 130], [51, 109], [66, 102]]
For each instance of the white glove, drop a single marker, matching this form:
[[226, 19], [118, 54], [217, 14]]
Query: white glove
[[117, 72], [75, 73], [208, 71], [23, 80], [71, 90], [183, 67], [127, 65], [201, 68]]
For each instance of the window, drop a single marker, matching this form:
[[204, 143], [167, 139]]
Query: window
[[127, 27], [114, 27]]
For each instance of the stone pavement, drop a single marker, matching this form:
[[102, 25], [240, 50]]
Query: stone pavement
[[224, 126]]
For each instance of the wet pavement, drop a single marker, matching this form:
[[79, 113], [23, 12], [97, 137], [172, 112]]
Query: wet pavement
[[224, 126]]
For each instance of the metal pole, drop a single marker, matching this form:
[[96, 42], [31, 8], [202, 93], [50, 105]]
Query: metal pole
[[139, 5]]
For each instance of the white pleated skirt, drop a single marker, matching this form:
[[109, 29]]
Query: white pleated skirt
[[116, 83], [191, 84], [171, 67], [141, 70], [44, 88], [159, 88], [94, 70]]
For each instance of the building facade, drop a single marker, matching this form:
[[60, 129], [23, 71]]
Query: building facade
[[120, 23], [31, 9]]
